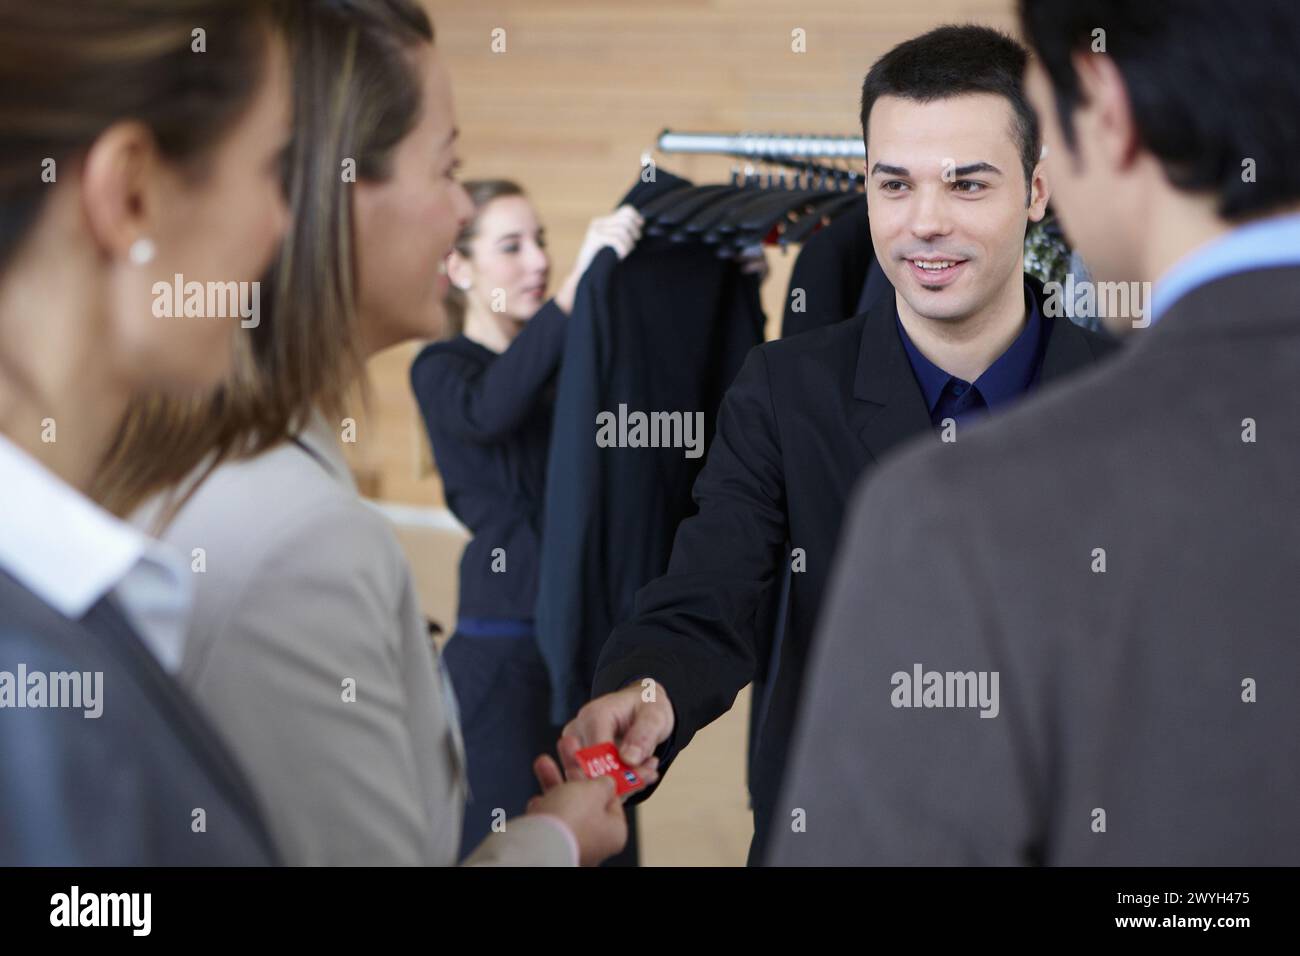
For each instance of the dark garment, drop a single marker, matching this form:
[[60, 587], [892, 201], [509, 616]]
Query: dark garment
[[830, 273], [1009, 377], [120, 789], [1141, 692], [664, 330], [804, 419], [488, 416], [503, 698]]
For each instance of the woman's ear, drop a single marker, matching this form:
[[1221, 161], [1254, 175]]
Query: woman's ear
[[117, 189], [460, 271]]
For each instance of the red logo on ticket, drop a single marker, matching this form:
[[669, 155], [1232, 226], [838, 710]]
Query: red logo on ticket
[[602, 761]]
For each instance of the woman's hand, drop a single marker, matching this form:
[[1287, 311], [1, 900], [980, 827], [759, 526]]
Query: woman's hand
[[592, 812], [590, 808], [620, 231]]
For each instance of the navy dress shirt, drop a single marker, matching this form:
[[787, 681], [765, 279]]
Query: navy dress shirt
[[1009, 377]]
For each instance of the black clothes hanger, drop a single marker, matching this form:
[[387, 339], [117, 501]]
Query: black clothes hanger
[[807, 225], [753, 189], [655, 207], [732, 232], [682, 204], [830, 186], [688, 216], [769, 209], [753, 222], [723, 220], [762, 219], [664, 200]]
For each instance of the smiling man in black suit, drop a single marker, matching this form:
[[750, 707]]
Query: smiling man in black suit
[[953, 180], [1115, 562]]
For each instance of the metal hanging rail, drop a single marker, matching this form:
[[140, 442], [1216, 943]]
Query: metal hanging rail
[[778, 147]]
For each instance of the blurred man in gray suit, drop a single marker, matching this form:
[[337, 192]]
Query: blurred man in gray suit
[[1070, 637]]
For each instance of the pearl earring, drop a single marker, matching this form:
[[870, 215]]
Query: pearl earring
[[142, 251]]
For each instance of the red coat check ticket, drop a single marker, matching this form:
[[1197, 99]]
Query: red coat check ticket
[[602, 760]]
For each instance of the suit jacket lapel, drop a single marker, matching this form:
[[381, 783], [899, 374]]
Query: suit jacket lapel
[[888, 406]]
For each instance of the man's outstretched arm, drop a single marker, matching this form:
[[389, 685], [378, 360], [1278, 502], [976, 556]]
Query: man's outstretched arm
[[692, 636]]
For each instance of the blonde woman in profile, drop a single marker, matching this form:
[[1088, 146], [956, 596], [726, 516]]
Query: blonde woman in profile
[[309, 649], [162, 163]]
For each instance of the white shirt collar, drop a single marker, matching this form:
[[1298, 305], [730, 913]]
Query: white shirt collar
[[70, 553]]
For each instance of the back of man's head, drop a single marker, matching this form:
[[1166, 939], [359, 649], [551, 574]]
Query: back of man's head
[[1214, 87]]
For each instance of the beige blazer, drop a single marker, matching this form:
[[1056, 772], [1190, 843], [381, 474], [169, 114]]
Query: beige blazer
[[310, 653]]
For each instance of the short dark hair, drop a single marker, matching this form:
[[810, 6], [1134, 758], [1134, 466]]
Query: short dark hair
[[952, 61], [1211, 84]]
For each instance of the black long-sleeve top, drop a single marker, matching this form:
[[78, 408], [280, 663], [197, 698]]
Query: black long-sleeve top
[[489, 420]]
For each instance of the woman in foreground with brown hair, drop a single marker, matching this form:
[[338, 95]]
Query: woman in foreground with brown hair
[[125, 158]]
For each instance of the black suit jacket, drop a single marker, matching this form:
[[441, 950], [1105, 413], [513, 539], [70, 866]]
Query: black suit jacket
[[803, 420]]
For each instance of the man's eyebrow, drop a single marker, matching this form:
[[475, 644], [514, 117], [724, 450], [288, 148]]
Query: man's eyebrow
[[967, 170], [452, 137], [980, 167]]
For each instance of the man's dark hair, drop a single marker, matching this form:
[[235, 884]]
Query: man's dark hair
[[952, 61], [1211, 84]]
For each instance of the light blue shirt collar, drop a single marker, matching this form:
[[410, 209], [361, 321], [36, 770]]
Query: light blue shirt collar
[[1267, 243]]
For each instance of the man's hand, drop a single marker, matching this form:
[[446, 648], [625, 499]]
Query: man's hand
[[637, 719]]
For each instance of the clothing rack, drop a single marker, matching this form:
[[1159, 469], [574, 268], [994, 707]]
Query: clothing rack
[[759, 208], [784, 148]]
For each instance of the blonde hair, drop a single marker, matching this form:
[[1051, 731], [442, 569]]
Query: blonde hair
[[356, 96]]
